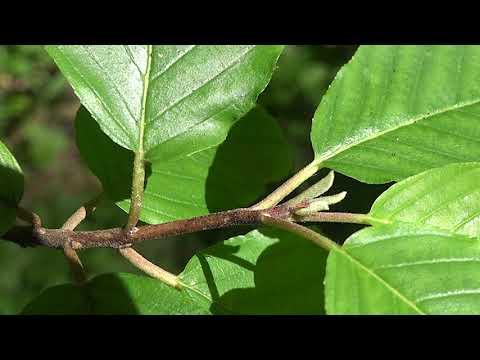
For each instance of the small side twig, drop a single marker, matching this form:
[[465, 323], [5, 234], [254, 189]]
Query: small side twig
[[81, 214], [300, 230], [76, 267], [149, 268], [29, 216]]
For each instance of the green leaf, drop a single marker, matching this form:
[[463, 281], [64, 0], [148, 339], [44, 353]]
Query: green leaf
[[233, 174], [400, 269], [132, 294], [11, 188], [425, 260], [263, 272], [395, 111], [446, 197], [167, 101]]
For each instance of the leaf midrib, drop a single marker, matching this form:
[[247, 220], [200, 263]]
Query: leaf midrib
[[205, 297], [146, 80], [327, 155]]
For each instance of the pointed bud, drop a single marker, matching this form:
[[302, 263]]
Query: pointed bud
[[315, 190], [321, 203]]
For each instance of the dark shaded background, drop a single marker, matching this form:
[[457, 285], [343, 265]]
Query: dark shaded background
[[37, 109]]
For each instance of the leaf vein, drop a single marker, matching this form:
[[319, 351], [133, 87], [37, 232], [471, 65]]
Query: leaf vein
[[114, 85], [447, 294], [203, 84], [329, 154], [157, 76], [99, 98]]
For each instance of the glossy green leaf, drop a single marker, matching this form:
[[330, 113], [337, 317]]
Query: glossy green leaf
[[166, 101], [233, 174], [446, 197], [400, 269], [395, 111], [263, 272], [11, 187]]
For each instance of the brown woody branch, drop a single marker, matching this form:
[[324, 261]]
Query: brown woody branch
[[35, 235], [303, 208]]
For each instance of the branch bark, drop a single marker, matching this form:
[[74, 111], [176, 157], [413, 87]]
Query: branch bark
[[120, 238], [27, 236]]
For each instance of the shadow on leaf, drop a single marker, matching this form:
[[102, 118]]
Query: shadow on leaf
[[288, 277], [11, 190], [105, 294], [114, 167], [254, 156]]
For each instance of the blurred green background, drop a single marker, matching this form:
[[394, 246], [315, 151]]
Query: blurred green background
[[37, 109]]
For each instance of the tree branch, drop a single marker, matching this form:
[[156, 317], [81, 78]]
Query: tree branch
[[303, 208], [121, 238]]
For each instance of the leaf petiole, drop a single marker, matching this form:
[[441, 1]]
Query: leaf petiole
[[286, 188]]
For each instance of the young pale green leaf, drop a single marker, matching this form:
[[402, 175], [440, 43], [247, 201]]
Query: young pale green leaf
[[233, 174], [263, 272], [446, 197], [11, 188], [166, 101], [400, 269], [395, 111]]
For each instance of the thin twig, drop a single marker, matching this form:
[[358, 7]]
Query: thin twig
[[283, 216], [119, 238], [76, 266], [78, 216], [300, 230], [29, 216], [151, 269]]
